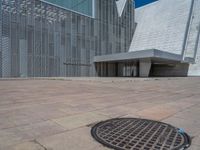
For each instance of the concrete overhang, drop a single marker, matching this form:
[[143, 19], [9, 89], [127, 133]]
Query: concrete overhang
[[153, 54]]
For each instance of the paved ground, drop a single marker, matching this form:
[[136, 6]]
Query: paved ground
[[56, 114]]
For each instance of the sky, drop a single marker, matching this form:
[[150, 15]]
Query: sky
[[139, 3]]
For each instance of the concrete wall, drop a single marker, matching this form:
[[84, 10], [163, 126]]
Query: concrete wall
[[145, 67], [172, 26], [169, 70], [194, 69], [161, 25]]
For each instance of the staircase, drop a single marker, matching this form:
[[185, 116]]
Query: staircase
[[193, 32]]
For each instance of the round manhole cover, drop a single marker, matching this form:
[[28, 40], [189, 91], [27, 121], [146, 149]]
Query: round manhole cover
[[139, 134]]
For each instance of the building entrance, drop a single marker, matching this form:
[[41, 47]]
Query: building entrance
[[129, 69], [119, 69]]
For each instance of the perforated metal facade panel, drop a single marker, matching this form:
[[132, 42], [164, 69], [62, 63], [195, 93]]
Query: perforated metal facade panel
[[42, 40], [0, 41]]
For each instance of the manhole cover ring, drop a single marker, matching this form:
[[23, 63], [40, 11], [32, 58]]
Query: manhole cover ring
[[137, 134]]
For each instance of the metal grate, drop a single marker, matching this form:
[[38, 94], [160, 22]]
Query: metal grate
[[139, 134]]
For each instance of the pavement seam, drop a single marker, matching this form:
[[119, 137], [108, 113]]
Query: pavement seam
[[178, 112], [37, 142]]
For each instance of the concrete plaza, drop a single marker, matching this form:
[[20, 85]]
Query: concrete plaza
[[57, 114]]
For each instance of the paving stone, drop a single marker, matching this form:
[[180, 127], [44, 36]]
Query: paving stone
[[191, 127], [180, 105], [57, 111], [8, 137], [157, 113], [189, 115], [18, 117], [194, 147], [196, 140], [139, 105], [72, 140], [13, 136], [45, 128], [75, 121], [118, 111], [26, 146]]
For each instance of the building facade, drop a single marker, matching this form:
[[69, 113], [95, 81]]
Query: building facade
[[166, 41], [70, 38], [51, 38]]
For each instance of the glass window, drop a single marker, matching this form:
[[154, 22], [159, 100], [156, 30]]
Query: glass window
[[82, 6]]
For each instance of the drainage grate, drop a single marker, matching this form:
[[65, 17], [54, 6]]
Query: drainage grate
[[139, 134]]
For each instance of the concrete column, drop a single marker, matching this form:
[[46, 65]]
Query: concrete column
[[145, 66]]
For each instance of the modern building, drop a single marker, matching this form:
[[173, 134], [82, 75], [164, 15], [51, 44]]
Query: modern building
[[61, 37], [166, 41], [57, 38]]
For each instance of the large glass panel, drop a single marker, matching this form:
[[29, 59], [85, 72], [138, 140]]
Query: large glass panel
[[82, 6]]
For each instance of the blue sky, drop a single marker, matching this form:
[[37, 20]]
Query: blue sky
[[139, 3]]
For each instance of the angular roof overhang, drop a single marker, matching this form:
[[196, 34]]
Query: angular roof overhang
[[153, 54]]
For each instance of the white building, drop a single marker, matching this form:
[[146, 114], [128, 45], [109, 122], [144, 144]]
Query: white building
[[166, 41]]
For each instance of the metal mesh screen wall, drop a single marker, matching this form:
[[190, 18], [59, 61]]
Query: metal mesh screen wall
[[0, 41], [113, 33], [42, 40]]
